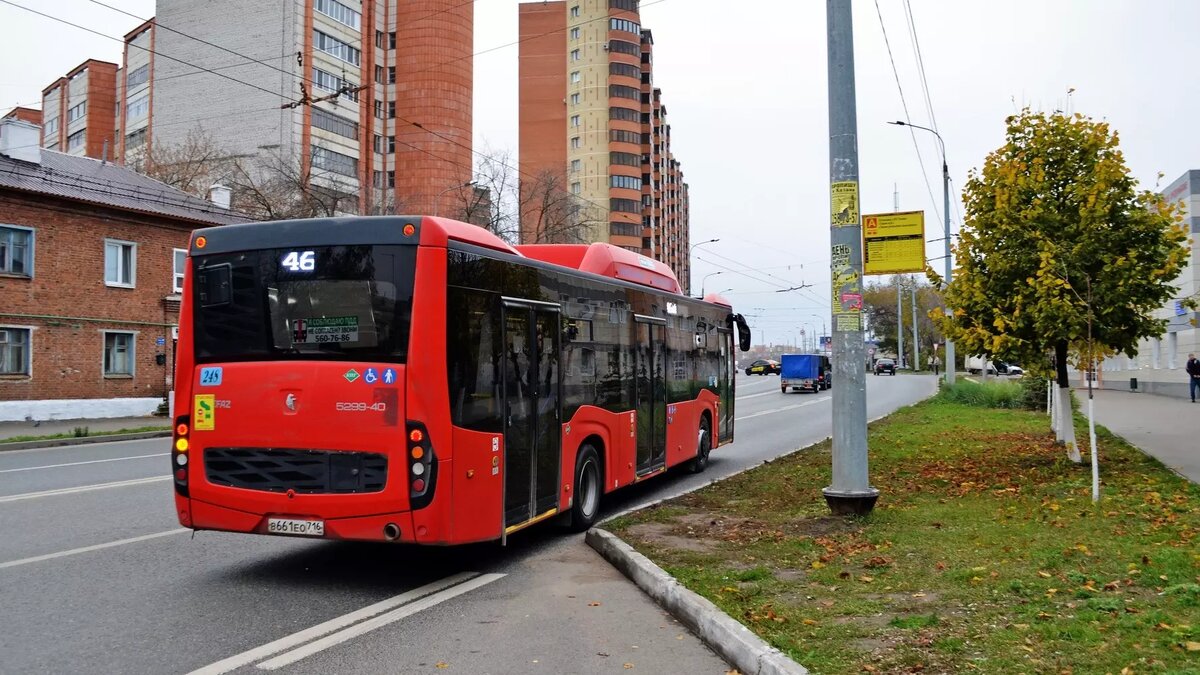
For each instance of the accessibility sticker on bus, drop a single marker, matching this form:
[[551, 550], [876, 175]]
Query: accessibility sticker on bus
[[325, 330], [204, 413]]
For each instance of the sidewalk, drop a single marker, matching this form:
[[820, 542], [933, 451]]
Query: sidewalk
[[1164, 427], [95, 426]]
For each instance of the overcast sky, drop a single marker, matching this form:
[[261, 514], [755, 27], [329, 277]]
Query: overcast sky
[[744, 84]]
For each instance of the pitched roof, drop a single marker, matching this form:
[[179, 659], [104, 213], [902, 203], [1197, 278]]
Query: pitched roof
[[90, 180]]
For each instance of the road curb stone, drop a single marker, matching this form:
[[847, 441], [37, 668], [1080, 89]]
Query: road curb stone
[[102, 438], [738, 645]]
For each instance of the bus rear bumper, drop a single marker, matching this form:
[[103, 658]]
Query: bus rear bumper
[[394, 527]]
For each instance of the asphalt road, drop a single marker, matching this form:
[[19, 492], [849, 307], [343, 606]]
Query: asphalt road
[[97, 576]]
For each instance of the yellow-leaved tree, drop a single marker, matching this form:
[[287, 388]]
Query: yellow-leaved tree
[[1052, 219]]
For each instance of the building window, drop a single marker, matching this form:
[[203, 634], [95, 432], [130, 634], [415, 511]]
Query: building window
[[392, 40], [135, 139], [379, 109], [574, 54], [575, 98], [625, 25], [621, 91], [16, 251], [334, 162], [391, 74], [76, 112], [120, 263], [627, 182], [118, 354], [339, 13], [75, 140], [623, 136], [625, 229], [391, 179], [1172, 349], [624, 205], [385, 146], [51, 126], [625, 70], [627, 5], [624, 159], [575, 77], [138, 106], [391, 110], [379, 39], [575, 11], [14, 351], [576, 188], [576, 165], [379, 74], [336, 48], [623, 47], [575, 143], [574, 120], [575, 33], [138, 76], [333, 83], [334, 124], [624, 114], [179, 264]]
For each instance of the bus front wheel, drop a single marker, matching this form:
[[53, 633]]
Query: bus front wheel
[[586, 505]]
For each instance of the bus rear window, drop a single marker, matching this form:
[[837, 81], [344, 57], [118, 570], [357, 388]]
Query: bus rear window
[[334, 302]]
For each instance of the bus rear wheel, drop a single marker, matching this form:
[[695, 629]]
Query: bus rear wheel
[[586, 505], [703, 446]]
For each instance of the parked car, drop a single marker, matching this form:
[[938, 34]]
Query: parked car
[[885, 366], [763, 367]]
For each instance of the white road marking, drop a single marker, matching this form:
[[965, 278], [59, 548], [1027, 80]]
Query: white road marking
[[338, 623], [90, 461], [377, 622], [82, 488], [786, 407], [89, 549]]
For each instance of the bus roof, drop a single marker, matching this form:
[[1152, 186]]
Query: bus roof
[[607, 260]]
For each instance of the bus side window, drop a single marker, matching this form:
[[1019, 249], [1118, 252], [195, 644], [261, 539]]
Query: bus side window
[[214, 285]]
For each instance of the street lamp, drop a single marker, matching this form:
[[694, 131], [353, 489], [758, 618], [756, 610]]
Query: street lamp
[[724, 291], [689, 258], [437, 205], [822, 318], [705, 279], [946, 214]]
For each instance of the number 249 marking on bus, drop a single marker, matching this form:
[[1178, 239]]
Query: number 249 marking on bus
[[300, 261]]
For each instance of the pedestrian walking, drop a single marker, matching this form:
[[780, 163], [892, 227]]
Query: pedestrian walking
[[1193, 371], [934, 363]]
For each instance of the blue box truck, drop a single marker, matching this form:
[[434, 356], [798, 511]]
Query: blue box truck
[[805, 372]]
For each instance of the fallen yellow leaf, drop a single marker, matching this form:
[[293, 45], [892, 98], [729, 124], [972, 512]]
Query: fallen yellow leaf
[[593, 604], [441, 664], [1192, 646], [817, 564], [628, 666], [1045, 575], [809, 622], [866, 579]]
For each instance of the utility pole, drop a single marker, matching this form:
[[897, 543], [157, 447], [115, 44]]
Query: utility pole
[[949, 260], [850, 492], [899, 324], [916, 339]]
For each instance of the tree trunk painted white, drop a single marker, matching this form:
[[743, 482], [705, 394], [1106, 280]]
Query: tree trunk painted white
[[1066, 425], [1095, 459], [1050, 401]]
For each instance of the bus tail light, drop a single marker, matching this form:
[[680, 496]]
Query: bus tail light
[[421, 464], [179, 454]]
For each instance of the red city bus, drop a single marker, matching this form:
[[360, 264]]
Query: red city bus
[[417, 379]]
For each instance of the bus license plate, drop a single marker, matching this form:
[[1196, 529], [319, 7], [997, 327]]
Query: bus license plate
[[307, 528]]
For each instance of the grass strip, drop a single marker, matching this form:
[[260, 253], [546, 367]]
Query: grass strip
[[985, 553]]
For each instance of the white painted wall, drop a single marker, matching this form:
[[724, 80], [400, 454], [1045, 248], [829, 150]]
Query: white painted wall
[[70, 409]]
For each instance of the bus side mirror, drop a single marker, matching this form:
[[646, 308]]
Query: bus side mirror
[[743, 332]]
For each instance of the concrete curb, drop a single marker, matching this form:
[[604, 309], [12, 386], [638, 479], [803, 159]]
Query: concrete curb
[[734, 642], [110, 438]]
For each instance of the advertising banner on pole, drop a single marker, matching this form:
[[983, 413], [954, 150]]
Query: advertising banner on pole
[[894, 243]]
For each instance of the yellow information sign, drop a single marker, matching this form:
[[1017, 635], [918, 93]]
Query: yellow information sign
[[204, 412], [894, 243], [843, 203]]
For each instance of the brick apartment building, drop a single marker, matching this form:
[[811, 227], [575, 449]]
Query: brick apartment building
[[231, 67], [91, 262], [25, 115], [589, 107]]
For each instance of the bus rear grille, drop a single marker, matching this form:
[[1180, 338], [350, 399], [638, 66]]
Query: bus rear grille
[[305, 471]]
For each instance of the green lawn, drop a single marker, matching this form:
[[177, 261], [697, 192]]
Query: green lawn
[[90, 434], [985, 553]]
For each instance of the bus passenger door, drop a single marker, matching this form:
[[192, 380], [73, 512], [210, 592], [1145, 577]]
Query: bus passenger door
[[725, 380], [651, 403], [532, 433]]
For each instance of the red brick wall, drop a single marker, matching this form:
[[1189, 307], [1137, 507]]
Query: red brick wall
[[68, 290]]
